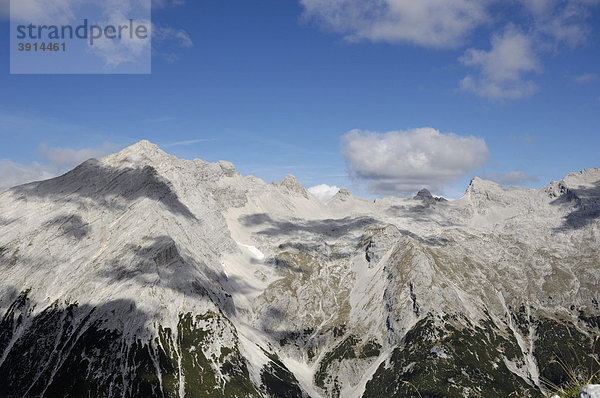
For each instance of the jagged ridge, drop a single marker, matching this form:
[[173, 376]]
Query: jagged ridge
[[141, 274]]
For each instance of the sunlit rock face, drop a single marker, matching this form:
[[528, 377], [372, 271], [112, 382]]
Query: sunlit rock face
[[140, 274]]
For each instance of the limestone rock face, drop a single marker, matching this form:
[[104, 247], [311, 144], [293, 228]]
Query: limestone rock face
[[423, 194], [140, 274], [590, 391]]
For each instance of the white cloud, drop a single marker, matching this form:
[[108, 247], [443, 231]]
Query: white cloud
[[324, 192], [189, 142], [128, 48], [178, 37], [59, 11], [40, 11], [540, 27], [113, 52], [166, 3], [12, 173], [4, 9], [430, 23], [402, 162], [68, 157], [522, 139], [166, 40], [516, 177], [514, 54], [501, 69], [560, 21], [585, 78], [57, 161]]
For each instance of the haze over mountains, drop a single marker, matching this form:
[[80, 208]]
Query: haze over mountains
[[140, 274]]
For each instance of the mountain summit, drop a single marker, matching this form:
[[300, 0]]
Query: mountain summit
[[143, 275]]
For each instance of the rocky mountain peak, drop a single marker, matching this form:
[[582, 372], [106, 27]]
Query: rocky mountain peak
[[140, 154], [171, 279], [143, 147], [426, 197], [423, 194], [227, 167], [479, 186], [291, 184], [584, 178], [342, 195]]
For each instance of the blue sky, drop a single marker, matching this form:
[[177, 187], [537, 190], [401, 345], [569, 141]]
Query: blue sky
[[433, 95]]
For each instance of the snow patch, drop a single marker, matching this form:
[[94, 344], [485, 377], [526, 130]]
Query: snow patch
[[252, 249]]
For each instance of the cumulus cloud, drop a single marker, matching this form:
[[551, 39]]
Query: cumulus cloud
[[516, 177], [430, 23], [513, 55], [324, 192], [57, 160], [501, 69], [400, 163]]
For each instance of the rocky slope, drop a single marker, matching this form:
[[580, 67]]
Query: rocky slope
[[141, 274]]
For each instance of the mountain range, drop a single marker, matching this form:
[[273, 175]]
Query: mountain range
[[143, 275]]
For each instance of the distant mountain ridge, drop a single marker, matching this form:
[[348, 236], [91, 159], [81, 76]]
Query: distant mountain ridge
[[140, 274]]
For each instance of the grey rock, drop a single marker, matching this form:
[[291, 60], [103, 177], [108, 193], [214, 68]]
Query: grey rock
[[590, 391]]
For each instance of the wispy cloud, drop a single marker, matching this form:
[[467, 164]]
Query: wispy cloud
[[54, 161], [585, 78], [505, 70], [52, 12], [128, 49], [167, 3], [560, 22], [4, 9], [522, 139], [179, 37], [188, 142], [13, 173], [162, 119], [518, 52], [27, 123], [516, 177], [167, 42], [64, 157]]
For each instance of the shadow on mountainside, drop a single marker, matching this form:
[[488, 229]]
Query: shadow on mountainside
[[332, 228], [161, 264], [583, 204], [70, 225], [105, 186], [427, 212], [70, 349]]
